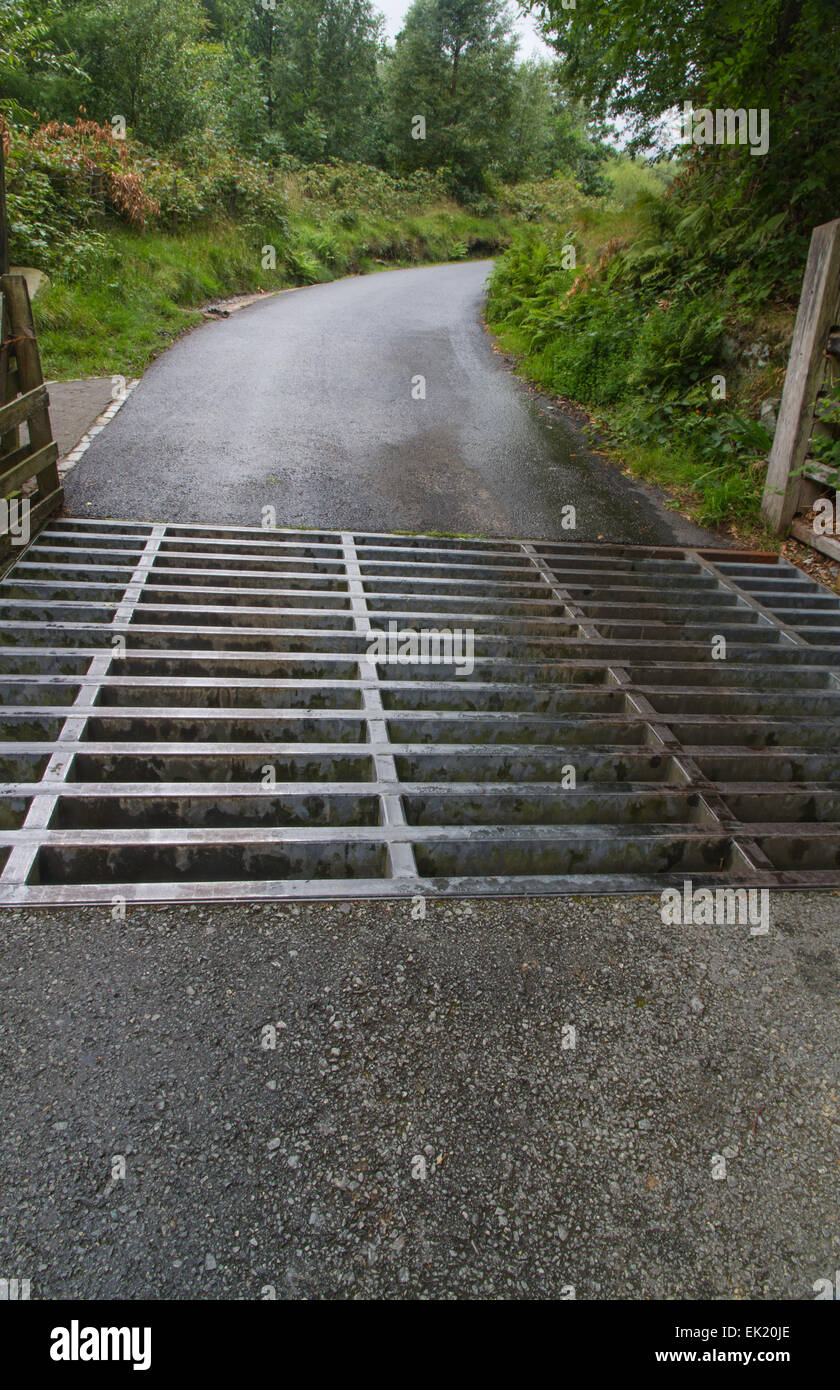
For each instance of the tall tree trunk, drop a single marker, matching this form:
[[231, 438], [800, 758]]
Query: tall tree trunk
[[269, 105], [454, 83], [4, 226]]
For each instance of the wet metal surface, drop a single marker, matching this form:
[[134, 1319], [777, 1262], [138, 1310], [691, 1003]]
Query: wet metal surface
[[309, 403], [192, 713]]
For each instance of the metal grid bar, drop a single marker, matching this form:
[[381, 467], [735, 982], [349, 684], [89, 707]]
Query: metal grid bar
[[750, 855], [140, 774], [22, 858], [400, 852]]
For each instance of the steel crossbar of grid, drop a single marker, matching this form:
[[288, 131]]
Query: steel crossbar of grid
[[196, 713]]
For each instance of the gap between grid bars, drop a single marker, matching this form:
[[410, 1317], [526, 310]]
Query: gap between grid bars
[[22, 858], [753, 857]]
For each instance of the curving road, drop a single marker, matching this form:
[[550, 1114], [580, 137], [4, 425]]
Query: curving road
[[310, 402]]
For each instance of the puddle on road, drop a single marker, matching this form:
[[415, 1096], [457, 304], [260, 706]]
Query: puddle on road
[[556, 469]]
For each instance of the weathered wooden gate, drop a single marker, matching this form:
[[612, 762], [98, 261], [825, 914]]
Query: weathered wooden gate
[[794, 477], [30, 490]]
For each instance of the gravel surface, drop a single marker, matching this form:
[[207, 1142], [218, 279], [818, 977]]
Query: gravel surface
[[418, 1122]]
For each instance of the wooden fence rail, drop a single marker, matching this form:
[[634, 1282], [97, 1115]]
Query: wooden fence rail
[[29, 481]]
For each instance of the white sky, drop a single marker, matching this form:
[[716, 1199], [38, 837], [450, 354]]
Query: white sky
[[530, 43]]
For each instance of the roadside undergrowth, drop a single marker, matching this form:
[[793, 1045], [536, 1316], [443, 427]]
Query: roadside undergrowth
[[676, 352], [135, 242]]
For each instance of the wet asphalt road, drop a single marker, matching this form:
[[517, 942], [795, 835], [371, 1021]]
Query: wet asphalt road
[[310, 402]]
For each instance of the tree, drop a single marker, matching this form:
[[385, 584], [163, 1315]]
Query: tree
[[28, 55], [318, 70], [530, 123], [453, 65], [141, 59], [637, 61], [549, 133]]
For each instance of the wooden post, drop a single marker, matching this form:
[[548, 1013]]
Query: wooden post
[[30, 375], [819, 306], [28, 470], [10, 439]]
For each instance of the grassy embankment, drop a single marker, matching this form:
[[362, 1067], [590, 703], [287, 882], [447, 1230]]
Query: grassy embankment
[[134, 245], [661, 332], [148, 286]]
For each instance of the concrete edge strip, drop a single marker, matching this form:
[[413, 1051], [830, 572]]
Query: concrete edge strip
[[70, 460]]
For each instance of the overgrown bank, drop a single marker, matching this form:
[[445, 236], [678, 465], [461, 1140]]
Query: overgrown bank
[[674, 326], [134, 243], [615, 301], [678, 351]]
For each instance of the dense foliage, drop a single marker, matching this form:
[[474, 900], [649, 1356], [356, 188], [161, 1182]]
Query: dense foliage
[[638, 61], [676, 368], [307, 79], [679, 322]]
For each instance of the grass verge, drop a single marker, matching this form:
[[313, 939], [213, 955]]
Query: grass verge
[[146, 288]]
